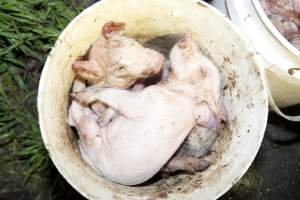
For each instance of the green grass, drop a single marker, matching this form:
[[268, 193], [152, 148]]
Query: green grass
[[28, 30]]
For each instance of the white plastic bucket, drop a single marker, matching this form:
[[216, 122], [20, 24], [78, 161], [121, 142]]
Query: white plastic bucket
[[279, 56], [245, 96]]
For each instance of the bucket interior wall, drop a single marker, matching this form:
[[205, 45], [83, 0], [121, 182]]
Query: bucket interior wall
[[245, 96]]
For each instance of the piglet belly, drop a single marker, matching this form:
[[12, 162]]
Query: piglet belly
[[134, 154]]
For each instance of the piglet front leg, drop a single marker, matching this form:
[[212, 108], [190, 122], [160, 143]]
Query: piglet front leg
[[109, 96]]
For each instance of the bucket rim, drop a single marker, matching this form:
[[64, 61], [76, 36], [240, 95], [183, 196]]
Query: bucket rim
[[273, 30], [69, 27]]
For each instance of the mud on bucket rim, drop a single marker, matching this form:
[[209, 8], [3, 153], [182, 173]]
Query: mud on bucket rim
[[245, 95]]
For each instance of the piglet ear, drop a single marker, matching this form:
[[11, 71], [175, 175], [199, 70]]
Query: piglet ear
[[222, 112], [216, 118], [206, 117], [184, 41], [110, 27], [212, 122], [88, 70]]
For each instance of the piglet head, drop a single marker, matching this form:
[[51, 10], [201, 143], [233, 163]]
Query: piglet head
[[184, 58], [117, 60]]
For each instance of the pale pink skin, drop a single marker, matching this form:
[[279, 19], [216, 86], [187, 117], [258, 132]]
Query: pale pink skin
[[283, 7], [83, 118], [285, 15], [115, 60], [154, 121]]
